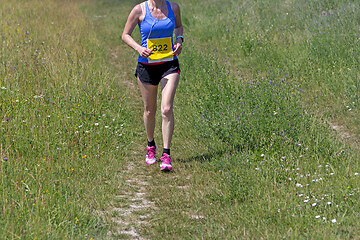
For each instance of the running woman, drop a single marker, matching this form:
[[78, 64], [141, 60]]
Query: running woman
[[158, 20]]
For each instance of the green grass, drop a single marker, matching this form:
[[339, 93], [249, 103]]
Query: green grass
[[255, 98], [253, 155], [64, 124]]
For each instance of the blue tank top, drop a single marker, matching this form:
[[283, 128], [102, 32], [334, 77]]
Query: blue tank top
[[157, 28]]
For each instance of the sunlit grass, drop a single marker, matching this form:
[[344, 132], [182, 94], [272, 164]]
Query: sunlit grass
[[63, 120], [273, 168], [252, 155]]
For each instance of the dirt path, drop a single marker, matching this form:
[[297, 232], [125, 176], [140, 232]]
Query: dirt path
[[345, 135], [131, 208]]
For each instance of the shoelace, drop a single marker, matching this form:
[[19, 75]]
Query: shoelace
[[151, 152], [166, 159]]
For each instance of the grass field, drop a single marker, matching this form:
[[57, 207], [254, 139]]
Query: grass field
[[263, 85]]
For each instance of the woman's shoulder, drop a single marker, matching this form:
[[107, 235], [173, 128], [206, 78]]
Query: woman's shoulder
[[137, 8], [138, 11], [174, 6]]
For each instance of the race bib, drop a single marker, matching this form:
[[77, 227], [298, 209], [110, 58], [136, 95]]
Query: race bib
[[161, 49]]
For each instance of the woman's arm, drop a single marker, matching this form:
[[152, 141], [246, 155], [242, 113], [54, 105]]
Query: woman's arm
[[133, 19], [178, 28]]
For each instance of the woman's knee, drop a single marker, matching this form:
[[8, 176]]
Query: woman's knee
[[166, 111], [149, 113]]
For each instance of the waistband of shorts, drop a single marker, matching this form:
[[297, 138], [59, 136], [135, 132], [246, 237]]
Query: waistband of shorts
[[155, 63], [158, 63]]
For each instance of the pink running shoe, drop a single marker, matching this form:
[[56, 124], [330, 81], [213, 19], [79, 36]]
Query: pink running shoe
[[150, 155], [165, 165]]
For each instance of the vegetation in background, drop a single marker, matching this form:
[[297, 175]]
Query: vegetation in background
[[253, 154], [64, 124]]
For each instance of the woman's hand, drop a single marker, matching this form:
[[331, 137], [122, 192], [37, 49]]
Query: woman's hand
[[144, 52], [177, 47]]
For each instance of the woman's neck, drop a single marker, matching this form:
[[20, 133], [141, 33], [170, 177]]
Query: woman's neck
[[156, 3]]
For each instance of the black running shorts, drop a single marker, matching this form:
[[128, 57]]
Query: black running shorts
[[152, 74]]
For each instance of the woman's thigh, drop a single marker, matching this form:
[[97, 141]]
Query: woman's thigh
[[168, 89], [149, 93]]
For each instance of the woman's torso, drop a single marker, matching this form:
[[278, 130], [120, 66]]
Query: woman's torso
[[152, 28]]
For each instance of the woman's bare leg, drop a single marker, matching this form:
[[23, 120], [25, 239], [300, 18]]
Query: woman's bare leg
[[168, 89], [149, 93]]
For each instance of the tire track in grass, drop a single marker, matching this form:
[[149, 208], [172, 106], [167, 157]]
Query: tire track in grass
[[131, 208], [345, 135], [131, 212]]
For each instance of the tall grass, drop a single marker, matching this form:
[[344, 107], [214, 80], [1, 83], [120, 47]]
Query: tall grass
[[63, 123], [253, 157], [257, 87], [314, 43]]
